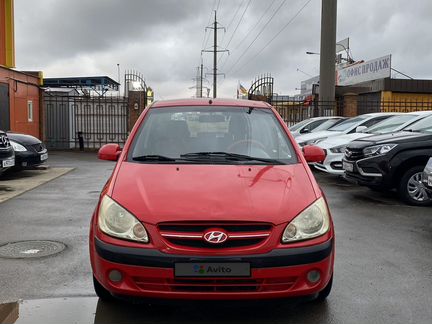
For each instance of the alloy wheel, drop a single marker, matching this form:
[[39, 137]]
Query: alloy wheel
[[416, 188]]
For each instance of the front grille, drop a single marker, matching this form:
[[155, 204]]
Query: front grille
[[191, 234], [38, 147], [353, 154], [215, 285]]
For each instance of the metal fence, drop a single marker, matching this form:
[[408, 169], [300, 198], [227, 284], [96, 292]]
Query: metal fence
[[84, 122], [293, 112]]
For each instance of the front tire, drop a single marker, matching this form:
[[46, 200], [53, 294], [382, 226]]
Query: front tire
[[101, 292], [411, 190]]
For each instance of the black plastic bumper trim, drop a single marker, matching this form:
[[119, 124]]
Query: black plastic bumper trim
[[154, 258]]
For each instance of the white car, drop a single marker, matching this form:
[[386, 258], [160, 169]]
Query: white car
[[349, 126], [335, 146], [314, 124]]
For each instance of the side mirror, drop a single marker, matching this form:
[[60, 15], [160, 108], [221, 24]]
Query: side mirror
[[109, 152], [313, 153], [305, 130], [360, 129]]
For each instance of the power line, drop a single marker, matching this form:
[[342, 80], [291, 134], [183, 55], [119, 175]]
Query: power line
[[275, 36], [235, 13], [250, 30], [238, 24], [217, 8], [259, 33], [232, 19], [206, 36]]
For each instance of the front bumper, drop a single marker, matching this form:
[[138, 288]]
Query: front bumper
[[332, 163], [373, 171], [28, 159], [149, 273]]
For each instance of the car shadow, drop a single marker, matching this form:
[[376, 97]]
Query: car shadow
[[212, 312]]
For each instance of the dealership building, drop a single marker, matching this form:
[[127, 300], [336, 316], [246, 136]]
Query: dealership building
[[363, 87]]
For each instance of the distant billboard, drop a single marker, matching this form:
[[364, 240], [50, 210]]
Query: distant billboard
[[379, 68], [342, 45], [307, 85]]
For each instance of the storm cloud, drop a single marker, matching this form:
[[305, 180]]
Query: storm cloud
[[163, 39]]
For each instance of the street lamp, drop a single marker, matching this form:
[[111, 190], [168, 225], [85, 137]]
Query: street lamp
[[312, 53]]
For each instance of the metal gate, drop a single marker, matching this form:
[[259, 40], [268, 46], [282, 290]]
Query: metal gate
[[4, 107], [89, 121]]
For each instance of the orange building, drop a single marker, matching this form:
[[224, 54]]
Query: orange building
[[19, 91]]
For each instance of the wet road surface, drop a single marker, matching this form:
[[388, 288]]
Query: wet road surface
[[383, 270]]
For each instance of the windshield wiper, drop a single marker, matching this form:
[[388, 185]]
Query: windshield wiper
[[153, 157], [229, 156]]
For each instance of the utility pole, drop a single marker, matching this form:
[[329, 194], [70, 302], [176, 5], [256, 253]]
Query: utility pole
[[215, 51], [201, 79], [328, 51], [118, 75]]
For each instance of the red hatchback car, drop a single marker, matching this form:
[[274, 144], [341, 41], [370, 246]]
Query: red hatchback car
[[211, 199]]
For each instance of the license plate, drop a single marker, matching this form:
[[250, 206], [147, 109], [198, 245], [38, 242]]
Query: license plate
[[44, 156], [429, 182], [241, 269], [347, 166], [8, 163]]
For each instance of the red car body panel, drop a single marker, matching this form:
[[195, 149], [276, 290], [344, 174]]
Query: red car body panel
[[220, 192], [159, 193]]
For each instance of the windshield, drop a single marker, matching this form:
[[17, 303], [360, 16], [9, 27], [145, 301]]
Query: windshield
[[347, 124], [422, 126], [390, 124], [327, 124], [225, 134], [299, 125]]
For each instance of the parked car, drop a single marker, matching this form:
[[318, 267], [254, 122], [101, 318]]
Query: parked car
[[335, 146], [7, 156], [393, 161], [29, 151], [427, 177], [211, 199], [349, 126], [309, 125]]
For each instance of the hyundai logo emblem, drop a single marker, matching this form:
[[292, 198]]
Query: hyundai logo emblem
[[215, 237]]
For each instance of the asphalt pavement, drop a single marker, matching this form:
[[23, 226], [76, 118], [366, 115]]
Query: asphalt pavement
[[383, 270]]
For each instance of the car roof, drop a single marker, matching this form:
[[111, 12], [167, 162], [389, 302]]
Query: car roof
[[210, 102], [420, 112], [381, 114]]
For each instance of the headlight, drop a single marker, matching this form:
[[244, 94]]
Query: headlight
[[378, 149], [116, 221], [17, 147], [338, 149], [312, 222]]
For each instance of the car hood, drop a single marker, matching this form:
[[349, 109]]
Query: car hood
[[397, 137], [316, 135], [341, 140], [160, 192], [23, 139]]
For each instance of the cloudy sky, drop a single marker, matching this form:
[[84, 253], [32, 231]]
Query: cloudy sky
[[163, 39]]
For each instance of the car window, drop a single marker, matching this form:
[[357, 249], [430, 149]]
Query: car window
[[314, 124], [390, 124], [423, 126], [173, 132], [299, 125], [346, 124], [327, 124], [373, 121]]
